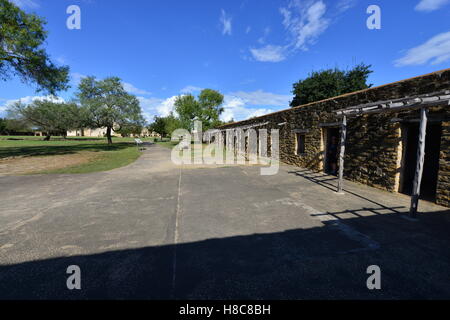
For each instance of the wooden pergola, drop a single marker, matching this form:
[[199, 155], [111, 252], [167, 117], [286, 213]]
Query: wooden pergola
[[421, 102]]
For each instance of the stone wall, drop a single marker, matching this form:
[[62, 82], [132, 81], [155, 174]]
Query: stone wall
[[373, 148], [443, 188]]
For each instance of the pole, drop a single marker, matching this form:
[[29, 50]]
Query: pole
[[342, 154], [420, 162]]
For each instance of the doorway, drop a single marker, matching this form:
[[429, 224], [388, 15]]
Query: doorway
[[431, 164], [331, 152]]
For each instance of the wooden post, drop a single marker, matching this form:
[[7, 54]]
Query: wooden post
[[420, 162], [342, 154]]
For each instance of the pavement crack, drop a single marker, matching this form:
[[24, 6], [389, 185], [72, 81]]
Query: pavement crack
[[176, 236]]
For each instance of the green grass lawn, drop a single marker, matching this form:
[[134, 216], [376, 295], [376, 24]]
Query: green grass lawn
[[171, 144], [122, 152], [166, 142]]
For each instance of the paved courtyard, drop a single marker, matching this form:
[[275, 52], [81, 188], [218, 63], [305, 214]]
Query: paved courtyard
[[153, 230]]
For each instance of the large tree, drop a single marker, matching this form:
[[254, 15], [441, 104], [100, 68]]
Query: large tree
[[211, 107], [13, 126], [330, 83], [172, 123], [165, 125], [188, 110], [131, 129], [21, 38], [207, 108], [159, 126], [3, 126], [108, 105], [49, 116]]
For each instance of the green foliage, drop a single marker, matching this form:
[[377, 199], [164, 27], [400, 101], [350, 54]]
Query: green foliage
[[48, 116], [165, 125], [172, 123], [207, 109], [12, 126], [21, 38], [107, 104], [3, 125], [130, 129], [158, 125], [210, 102], [329, 83], [188, 110]]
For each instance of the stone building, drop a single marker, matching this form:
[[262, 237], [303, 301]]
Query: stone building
[[87, 132], [381, 148], [101, 132]]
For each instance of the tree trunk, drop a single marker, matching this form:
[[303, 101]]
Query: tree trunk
[[108, 135]]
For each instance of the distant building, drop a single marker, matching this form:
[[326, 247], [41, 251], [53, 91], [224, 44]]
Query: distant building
[[97, 133], [101, 132]]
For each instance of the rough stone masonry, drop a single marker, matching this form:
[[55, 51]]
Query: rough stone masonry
[[375, 147]]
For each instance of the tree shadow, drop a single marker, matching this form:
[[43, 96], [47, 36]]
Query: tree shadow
[[51, 150], [327, 262]]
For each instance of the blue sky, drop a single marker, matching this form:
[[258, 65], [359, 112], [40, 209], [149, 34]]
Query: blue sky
[[251, 50]]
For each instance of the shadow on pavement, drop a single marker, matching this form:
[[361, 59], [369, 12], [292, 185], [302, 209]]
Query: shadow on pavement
[[327, 262], [49, 150]]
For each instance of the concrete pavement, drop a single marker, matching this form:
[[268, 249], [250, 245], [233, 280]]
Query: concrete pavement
[[153, 230]]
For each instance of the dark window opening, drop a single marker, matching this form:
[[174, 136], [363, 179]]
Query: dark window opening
[[431, 164], [300, 144], [331, 150]]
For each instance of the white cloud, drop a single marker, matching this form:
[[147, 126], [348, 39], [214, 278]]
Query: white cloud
[[436, 50], [226, 23], [162, 107], [263, 38], [269, 53], [238, 105], [30, 99], [26, 4], [243, 105], [132, 89], [76, 78], [152, 107], [431, 5], [344, 5], [236, 109], [248, 29], [191, 89], [260, 97], [149, 106], [304, 22], [167, 106], [61, 60]]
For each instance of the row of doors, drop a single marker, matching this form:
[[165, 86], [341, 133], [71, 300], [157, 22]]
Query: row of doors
[[410, 141]]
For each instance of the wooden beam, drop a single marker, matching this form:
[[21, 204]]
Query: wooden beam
[[398, 104], [417, 120], [300, 130], [420, 162], [342, 154], [330, 124]]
